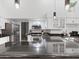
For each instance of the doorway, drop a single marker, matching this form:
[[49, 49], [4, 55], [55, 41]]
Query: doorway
[[24, 31]]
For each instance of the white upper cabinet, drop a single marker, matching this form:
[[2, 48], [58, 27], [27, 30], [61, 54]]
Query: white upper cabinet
[[76, 21], [69, 21], [72, 21], [49, 23], [2, 23]]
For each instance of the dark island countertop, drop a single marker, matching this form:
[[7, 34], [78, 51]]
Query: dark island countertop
[[26, 51], [4, 35], [30, 52]]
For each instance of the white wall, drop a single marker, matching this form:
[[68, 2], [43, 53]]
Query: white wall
[[28, 8], [35, 9]]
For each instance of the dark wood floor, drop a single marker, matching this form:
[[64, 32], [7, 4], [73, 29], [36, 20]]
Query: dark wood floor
[[38, 58]]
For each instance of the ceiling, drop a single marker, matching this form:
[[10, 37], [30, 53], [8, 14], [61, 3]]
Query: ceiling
[[35, 9]]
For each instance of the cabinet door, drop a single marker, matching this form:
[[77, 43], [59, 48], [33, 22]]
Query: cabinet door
[[76, 21], [69, 21], [59, 23], [50, 23], [2, 23], [72, 21]]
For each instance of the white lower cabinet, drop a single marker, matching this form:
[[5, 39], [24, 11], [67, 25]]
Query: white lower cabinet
[[72, 51], [56, 48], [3, 40]]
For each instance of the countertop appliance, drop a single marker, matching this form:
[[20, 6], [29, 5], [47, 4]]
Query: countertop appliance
[[36, 38], [36, 27], [74, 33]]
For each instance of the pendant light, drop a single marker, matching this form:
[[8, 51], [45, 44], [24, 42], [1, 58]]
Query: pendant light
[[67, 4], [17, 3], [54, 13]]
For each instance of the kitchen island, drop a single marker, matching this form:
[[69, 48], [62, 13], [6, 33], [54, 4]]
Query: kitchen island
[[29, 52]]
